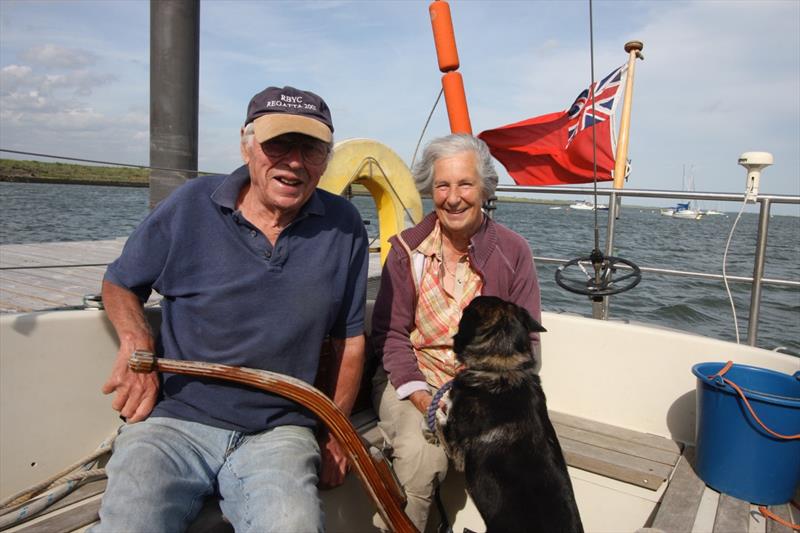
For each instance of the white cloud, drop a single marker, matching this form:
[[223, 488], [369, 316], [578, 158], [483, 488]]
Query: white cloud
[[49, 90], [29, 91], [21, 103], [50, 55], [13, 77]]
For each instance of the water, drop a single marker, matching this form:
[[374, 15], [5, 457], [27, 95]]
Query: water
[[37, 212], [45, 213]]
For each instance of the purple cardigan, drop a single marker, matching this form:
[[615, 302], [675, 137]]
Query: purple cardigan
[[501, 257]]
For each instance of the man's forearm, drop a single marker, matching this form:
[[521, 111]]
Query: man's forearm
[[126, 313], [346, 371]]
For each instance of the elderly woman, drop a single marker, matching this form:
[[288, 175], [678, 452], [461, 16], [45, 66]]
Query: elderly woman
[[431, 273]]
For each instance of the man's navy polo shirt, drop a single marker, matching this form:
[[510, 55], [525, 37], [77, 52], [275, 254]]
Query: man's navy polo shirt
[[231, 297]]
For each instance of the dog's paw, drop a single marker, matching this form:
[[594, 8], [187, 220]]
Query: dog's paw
[[443, 409], [458, 459], [441, 417]]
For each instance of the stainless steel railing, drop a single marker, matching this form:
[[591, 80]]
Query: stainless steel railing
[[764, 202]]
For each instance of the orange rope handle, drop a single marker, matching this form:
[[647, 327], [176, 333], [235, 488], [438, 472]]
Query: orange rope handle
[[769, 514], [735, 387]]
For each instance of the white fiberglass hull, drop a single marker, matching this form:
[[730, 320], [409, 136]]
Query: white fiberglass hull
[[54, 363]]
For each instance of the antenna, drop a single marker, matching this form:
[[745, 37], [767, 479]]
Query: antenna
[[601, 284], [754, 162]]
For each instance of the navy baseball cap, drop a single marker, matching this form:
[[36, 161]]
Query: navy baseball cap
[[275, 111]]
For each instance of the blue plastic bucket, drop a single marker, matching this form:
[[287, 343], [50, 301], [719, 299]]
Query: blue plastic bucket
[[735, 455]]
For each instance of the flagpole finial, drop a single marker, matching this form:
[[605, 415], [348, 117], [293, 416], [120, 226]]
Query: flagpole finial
[[636, 46]]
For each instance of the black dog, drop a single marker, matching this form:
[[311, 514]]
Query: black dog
[[497, 430]]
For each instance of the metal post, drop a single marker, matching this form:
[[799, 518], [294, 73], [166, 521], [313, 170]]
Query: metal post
[[174, 88], [758, 270], [601, 310], [490, 206]]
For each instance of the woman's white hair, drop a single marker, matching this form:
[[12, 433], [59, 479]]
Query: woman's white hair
[[451, 145]]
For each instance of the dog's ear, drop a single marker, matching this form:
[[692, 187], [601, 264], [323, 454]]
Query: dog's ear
[[528, 321]]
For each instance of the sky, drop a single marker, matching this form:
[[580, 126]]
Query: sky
[[719, 77]]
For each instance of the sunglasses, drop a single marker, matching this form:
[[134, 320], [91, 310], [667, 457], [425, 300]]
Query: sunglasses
[[314, 152]]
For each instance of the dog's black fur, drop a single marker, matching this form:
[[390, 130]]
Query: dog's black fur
[[497, 430]]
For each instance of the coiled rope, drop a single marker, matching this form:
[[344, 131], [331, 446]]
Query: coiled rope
[[29, 502]]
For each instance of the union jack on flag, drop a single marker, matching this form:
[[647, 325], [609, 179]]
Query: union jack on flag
[[604, 93]]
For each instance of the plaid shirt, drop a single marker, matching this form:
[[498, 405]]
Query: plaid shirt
[[438, 312]]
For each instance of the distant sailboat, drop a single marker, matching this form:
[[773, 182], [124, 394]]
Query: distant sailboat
[[687, 210]]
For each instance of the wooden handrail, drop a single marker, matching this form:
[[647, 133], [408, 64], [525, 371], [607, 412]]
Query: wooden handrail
[[378, 481]]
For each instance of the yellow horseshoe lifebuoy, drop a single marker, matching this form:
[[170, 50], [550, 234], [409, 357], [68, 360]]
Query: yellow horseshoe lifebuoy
[[378, 168]]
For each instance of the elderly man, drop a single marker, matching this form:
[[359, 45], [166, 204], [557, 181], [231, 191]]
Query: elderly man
[[256, 268]]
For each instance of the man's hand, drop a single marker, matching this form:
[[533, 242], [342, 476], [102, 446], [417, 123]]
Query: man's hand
[[334, 465], [136, 393]]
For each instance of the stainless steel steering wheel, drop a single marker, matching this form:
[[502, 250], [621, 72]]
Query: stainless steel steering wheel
[[598, 282]]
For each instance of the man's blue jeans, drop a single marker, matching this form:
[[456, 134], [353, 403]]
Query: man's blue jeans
[[162, 469]]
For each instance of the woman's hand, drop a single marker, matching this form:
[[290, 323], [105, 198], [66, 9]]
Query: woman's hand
[[422, 400]]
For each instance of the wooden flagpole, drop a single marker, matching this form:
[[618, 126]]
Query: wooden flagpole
[[634, 49]]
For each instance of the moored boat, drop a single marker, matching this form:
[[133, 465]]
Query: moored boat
[[687, 214], [686, 210], [586, 205], [683, 211]]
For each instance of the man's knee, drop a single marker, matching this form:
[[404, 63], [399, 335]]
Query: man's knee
[[154, 481], [282, 506], [270, 482]]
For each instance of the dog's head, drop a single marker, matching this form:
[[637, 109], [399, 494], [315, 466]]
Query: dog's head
[[492, 329]]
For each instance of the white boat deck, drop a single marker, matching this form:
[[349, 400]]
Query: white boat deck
[[34, 277], [687, 505], [624, 478]]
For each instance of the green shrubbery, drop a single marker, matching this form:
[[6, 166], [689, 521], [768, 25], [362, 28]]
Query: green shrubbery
[[17, 170]]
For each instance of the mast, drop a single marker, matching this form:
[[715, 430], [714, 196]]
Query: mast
[[174, 88], [634, 49]]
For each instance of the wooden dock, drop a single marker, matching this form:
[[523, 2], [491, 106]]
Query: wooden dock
[[41, 276], [35, 277]]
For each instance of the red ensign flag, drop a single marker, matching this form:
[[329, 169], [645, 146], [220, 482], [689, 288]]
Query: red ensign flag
[[557, 148]]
